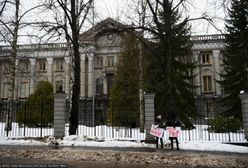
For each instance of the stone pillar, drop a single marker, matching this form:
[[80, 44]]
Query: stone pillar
[[196, 72], [59, 113], [244, 105], [149, 116], [32, 74], [216, 56], [67, 75], [82, 75], [90, 75], [50, 70]]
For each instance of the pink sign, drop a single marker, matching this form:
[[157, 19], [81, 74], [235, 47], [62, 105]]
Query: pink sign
[[156, 131], [173, 132]]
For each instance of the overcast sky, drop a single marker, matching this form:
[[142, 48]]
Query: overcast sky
[[121, 9], [124, 11]]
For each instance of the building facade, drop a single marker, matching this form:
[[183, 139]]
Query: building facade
[[53, 63]]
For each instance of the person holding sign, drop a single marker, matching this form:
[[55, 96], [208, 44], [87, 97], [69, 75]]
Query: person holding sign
[[161, 125], [173, 131]]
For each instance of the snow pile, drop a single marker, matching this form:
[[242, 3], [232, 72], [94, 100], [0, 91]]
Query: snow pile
[[91, 141], [212, 146]]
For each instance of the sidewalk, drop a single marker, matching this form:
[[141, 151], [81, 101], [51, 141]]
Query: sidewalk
[[122, 155]]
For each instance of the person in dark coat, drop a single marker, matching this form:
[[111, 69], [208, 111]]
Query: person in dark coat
[[173, 122], [159, 124]]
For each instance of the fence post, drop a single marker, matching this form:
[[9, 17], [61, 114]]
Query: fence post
[[244, 105], [149, 116], [59, 113]]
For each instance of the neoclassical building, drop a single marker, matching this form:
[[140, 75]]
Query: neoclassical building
[[52, 62], [207, 52]]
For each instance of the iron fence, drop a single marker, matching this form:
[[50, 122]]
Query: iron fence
[[99, 118], [104, 118], [23, 118]]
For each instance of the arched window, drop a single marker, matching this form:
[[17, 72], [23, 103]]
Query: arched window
[[99, 86]]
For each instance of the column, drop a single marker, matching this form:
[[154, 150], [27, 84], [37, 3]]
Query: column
[[105, 84], [50, 70], [82, 75], [196, 71], [32, 74], [216, 56], [17, 79], [244, 105], [90, 75], [67, 75], [149, 116]]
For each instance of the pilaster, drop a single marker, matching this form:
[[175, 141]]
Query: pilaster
[[67, 75], [197, 73]]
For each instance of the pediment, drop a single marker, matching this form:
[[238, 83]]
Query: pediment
[[100, 34]]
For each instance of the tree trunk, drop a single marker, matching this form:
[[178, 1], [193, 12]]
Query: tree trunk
[[76, 85], [141, 77], [169, 99], [141, 90], [13, 68], [14, 93]]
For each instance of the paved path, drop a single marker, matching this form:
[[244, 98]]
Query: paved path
[[20, 163], [95, 157]]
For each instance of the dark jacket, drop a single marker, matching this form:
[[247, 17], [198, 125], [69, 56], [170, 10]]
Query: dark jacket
[[160, 123], [173, 123]]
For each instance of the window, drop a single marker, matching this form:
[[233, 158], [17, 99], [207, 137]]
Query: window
[[24, 66], [99, 86], [24, 90], [207, 83], [205, 57], [59, 64], [99, 61], [58, 84], [5, 91], [110, 61], [42, 65]]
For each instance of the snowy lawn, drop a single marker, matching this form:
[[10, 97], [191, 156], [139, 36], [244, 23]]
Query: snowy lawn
[[198, 139]]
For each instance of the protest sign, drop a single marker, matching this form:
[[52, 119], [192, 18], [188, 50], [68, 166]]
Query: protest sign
[[156, 131]]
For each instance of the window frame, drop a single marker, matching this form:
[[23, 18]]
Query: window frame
[[207, 83]]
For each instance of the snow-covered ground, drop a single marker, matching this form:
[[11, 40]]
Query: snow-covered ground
[[83, 141], [198, 139]]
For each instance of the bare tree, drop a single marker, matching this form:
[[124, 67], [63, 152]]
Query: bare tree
[[2, 6], [9, 32], [142, 9], [75, 14]]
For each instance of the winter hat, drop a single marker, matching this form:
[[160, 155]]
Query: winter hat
[[159, 117]]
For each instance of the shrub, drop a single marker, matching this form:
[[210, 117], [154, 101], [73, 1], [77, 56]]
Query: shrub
[[221, 124], [38, 110]]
